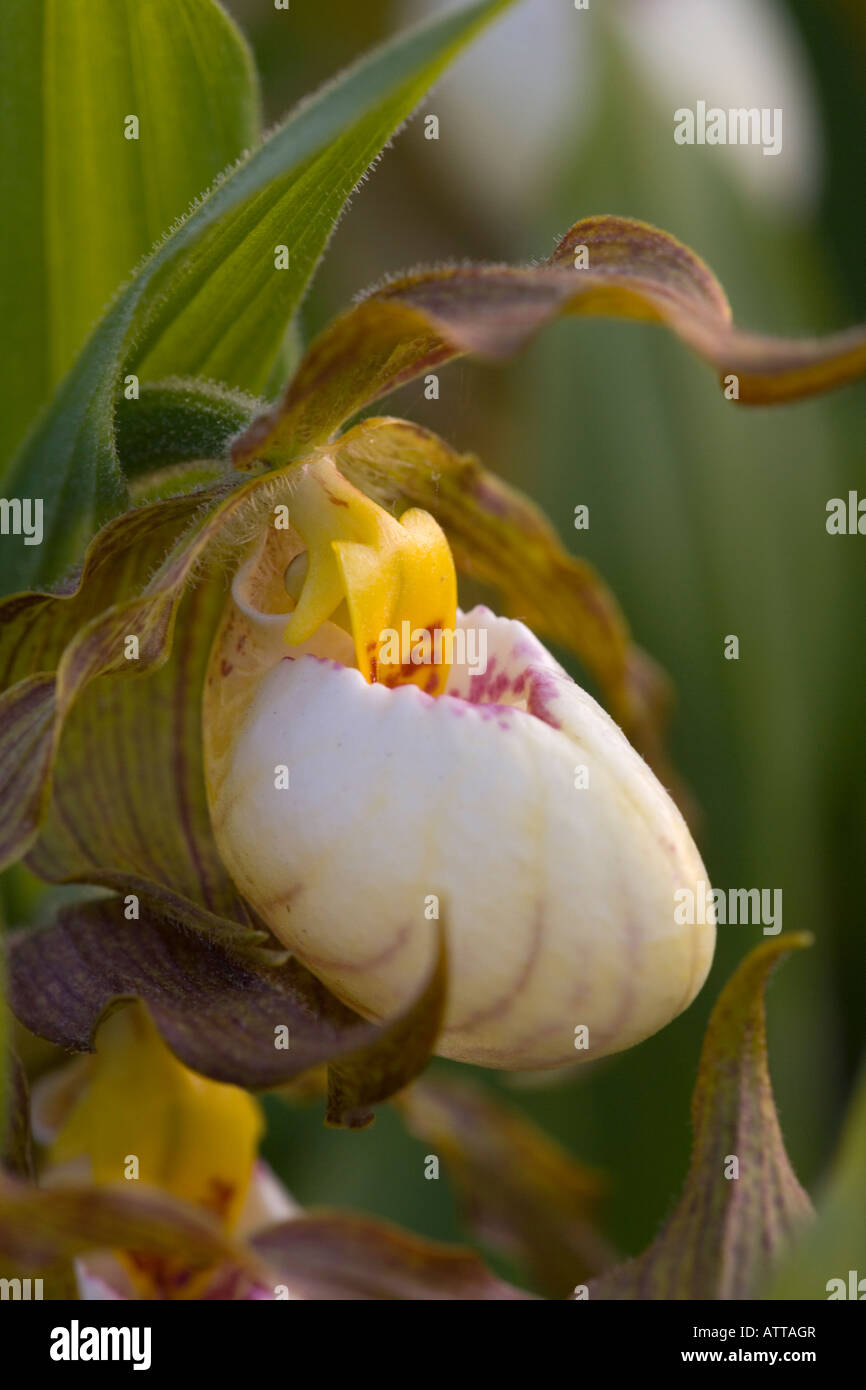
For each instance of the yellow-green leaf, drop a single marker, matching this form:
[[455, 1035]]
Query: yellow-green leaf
[[83, 202]]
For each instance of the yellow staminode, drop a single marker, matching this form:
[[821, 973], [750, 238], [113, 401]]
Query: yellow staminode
[[395, 577], [143, 1114]]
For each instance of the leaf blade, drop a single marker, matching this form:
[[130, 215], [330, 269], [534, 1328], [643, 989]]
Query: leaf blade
[[70, 74], [836, 1243], [70, 459]]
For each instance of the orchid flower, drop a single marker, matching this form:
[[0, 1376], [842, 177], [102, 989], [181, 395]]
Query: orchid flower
[[408, 826], [133, 1113], [151, 1187], [499, 790]]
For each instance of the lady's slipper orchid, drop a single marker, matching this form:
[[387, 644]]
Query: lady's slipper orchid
[[284, 758], [351, 795]]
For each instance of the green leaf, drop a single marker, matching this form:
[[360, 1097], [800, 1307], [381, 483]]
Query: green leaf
[[518, 1190], [83, 204], [210, 300], [730, 1224], [343, 1255], [836, 1243], [634, 271]]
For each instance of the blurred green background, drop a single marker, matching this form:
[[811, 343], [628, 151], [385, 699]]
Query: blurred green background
[[704, 519]]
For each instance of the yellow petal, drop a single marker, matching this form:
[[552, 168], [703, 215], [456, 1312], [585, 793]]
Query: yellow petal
[[192, 1137], [396, 577]]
